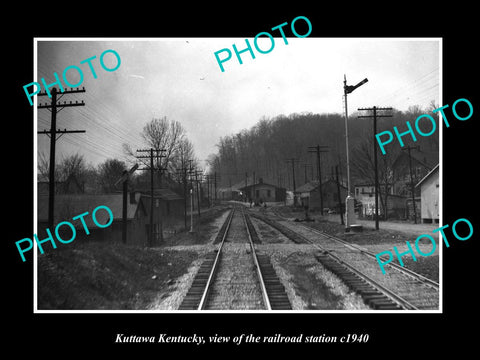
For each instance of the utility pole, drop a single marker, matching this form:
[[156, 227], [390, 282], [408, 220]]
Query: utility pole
[[246, 184], [152, 169], [207, 177], [340, 210], [412, 186], [253, 189], [56, 108], [318, 149], [215, 185], [124, 179], [191, 210], [293, 160], [196, 173], [182, 172], [375, 116]]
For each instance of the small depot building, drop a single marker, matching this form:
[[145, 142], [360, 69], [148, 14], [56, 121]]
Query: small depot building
[[263, 192]]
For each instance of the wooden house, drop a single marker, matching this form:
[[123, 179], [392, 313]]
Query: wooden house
[[309, 194], [71, 205], [429, 194]]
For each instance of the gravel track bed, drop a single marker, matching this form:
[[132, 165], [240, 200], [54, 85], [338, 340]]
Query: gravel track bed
[[422, 296], [308, 284], [269, 234], [236, 286]]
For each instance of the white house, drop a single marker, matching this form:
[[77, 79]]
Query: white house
[[429, 193]]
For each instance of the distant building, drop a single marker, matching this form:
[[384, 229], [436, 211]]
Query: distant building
[[70, 186], [365, 194], [401, 173], [263, 192], [68, 206], [168, 209], [309, 194], [429, 194]]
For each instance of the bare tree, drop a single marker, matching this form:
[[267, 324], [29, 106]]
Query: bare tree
[[163, 134], [363, 167], [109, 172]]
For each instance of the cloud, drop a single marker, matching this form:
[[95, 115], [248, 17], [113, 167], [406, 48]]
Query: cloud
[[136, 76]]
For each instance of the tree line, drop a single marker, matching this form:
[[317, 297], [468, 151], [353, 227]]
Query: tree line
[[265, 148]]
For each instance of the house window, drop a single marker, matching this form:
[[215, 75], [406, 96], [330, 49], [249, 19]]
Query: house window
[[269, 193], [257, 193]]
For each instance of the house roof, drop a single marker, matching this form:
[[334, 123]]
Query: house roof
[[403, 160], [435, 169], [166, 194], [313, 185], [70, 205], [307, 187], [259, 184]]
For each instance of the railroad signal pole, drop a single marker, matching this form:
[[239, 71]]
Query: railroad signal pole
[[349, 201], [55, 108], [293, 160], [152, 169], [412, 186], [318, 149], [375, 116]]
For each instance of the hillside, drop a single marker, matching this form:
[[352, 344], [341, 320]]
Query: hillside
[[264, 148]]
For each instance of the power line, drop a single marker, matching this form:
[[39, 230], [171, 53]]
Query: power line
[[152, 169]]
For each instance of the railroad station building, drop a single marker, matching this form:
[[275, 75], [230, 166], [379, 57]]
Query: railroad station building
[[263, 192]]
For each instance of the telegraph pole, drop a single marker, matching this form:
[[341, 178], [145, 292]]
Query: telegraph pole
[[124, 179], [317, 150], [339, 195], [375, 116], [196, 173], [412, 186], [182, 172], [152, 169], [55, 108]]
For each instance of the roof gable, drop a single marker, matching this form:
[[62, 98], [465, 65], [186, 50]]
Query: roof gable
[[433, 171]]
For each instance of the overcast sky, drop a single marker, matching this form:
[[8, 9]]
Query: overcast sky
[[180, 79]]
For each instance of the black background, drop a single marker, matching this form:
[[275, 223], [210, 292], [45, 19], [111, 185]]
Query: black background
[[60, 335]]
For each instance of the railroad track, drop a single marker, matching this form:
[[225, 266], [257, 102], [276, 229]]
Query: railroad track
[[418, 277], [349, 263], [234, 277]]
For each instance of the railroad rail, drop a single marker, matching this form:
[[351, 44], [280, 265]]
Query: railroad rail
[[234, 276], [396, 267], [371, 290]]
